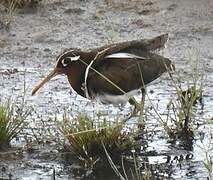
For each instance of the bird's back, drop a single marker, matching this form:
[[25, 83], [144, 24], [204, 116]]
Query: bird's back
[[125, 72]]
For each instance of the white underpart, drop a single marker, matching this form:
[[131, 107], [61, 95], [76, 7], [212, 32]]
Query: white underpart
[[116, 99], [124, 55], [85, 78]]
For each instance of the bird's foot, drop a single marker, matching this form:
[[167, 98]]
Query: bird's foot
[[137, 107]]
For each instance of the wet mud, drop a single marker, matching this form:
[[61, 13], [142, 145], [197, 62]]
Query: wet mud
[[37, 35]]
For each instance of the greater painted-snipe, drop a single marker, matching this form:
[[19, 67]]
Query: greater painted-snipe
[[112, 73]]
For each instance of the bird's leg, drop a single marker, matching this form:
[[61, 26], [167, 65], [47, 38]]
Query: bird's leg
[[143, 90], [141, 116]]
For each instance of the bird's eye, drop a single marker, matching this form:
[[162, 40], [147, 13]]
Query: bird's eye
[[65, 62]]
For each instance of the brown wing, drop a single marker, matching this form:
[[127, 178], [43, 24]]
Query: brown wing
[[137, 47], [127, 73], [142, 44]]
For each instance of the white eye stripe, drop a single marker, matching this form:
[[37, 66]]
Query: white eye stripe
[[75, 58]]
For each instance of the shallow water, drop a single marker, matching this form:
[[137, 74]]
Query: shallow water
[[29, 48]]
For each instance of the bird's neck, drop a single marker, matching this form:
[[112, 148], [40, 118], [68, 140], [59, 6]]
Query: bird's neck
[[76, 74], [76, 78]]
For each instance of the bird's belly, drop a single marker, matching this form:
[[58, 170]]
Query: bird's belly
[[116, 99]]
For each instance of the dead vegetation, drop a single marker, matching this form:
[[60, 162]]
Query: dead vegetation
[[20, 3], [11, 7]]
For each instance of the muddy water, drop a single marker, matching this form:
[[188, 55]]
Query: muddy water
[[29, 48]]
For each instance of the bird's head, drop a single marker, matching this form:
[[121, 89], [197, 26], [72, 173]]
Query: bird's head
[[67, 59], [64, 63]]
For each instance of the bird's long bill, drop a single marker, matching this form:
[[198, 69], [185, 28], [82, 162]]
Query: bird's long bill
[[53, 73]]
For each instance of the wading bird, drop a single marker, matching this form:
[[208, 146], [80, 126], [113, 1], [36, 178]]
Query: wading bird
[[112, 73]]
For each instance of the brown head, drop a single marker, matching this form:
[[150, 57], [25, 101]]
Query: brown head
[[65, 64]]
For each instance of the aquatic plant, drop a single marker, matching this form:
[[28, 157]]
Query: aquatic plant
[[205, 144], [12, 122], [85, 138], [181, 110], [134, 168], [208, 164]]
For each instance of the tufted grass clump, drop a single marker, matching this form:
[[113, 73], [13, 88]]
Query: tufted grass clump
[[183, 107], [12, 122], [86, 137]]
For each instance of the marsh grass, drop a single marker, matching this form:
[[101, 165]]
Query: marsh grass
[[181, 108], [10, 11], [208, 164], [11, 7], [131, 171], [20, 3], [85, 138], [12, 122], [205, 144]]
